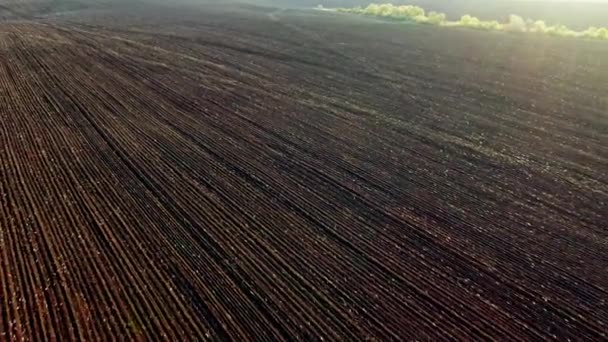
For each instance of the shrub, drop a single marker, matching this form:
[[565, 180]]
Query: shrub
[[473, 22], [436, 18], [560, 30], [516, 24], [597, 33]]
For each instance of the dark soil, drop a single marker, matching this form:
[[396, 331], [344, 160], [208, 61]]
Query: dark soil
[[261, 174]]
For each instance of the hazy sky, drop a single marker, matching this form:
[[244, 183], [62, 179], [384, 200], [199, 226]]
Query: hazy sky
[[566, 0]]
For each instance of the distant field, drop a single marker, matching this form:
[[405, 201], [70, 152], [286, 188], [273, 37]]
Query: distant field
[[576, 14], [254, 173]]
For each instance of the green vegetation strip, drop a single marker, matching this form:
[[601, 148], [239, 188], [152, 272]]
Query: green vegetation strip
[[515, 24]]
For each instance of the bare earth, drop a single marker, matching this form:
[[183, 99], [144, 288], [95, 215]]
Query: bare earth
[[252, 173]]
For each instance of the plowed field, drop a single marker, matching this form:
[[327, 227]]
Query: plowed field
[[281, 175]]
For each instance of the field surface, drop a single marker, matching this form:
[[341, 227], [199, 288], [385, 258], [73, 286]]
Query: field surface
[[256, 173]]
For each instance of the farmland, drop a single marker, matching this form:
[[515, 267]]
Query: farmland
[[251, 173]]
